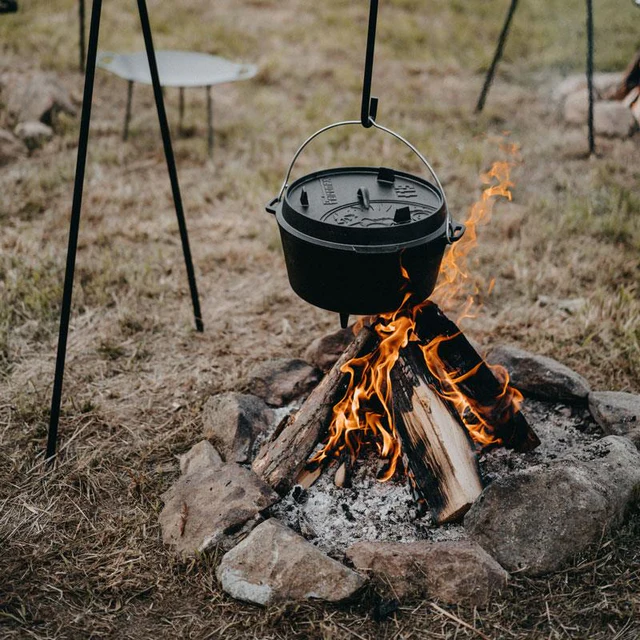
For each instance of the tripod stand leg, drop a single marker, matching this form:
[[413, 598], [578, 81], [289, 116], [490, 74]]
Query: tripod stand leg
[[171, 162], [76, 207], [496, 57], [592, 141]]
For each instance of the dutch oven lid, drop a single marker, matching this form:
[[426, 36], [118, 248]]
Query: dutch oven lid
[[364, 206]]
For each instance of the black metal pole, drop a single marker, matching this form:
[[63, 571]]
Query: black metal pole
[[171, 162], [81, 14], [369, 106], [496, 56], [76, 207], [592, 140]]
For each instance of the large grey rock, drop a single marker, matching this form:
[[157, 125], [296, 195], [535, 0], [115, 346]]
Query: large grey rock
[[603, 84], [613, 119], [534, 521], [212, 506], [35, 96], [576, 107], [11, 148], [275, 564], [232, 421], [538, 375], [34, 134], [200, 457], [282, 380], [616, 412], [323, 352], [457, 572]]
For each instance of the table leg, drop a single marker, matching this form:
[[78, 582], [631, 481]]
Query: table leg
[[181, 111], [81, 44], [209, 123], [127, 113]]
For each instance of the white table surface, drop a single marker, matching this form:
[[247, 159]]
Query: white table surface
[[176, 68]]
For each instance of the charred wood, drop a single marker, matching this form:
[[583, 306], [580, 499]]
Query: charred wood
[[475, 379], [281, 461]]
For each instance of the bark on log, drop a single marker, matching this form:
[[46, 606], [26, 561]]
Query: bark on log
[[481, 388], [437, 450], [284, 456]]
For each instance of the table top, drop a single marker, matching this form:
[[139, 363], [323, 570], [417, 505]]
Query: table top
[[176, 68]]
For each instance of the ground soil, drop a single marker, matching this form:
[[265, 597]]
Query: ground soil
[[81, 554]]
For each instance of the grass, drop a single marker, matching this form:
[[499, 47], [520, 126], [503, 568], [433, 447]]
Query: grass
[[82, 555]]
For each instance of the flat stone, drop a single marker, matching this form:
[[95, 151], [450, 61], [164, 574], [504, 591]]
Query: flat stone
[[536, 520], [35, 96], [232, 422], [540, 376], [34, 134], [211, 506], [324, 351], [613, 119], [282, 380], [274, 564], [11, 148], [200, 457], [455, 572], [616, 412]]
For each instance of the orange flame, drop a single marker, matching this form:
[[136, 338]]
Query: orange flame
[[364, 415]]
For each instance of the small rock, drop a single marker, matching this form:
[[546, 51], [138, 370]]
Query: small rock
[[275, 564], [11, 148], [211, 506], [568, 305], [574, 145], [576, 107], [457, 572], [200, 457], [280, 381], [34, 134], [538, 375], [232, 421], [634, 436], [616, 412], [36, 96], [613, 119], [323, 352], [534, 521]]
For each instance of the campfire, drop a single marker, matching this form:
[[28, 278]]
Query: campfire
[[412, 389]]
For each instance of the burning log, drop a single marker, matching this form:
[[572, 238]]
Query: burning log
[[487, 397], [281, 461], [437, 450]]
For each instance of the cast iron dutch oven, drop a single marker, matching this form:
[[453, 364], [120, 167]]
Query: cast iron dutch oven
[[349, 232]]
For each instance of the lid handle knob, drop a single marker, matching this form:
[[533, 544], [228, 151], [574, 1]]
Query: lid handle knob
[[364, 198], [402, 215]]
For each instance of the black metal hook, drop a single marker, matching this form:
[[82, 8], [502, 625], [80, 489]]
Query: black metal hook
[[369, 105]]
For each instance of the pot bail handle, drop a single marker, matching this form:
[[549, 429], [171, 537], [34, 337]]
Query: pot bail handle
[[451, 234]]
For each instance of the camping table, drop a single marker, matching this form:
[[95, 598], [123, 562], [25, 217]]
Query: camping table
[[180, 69]]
